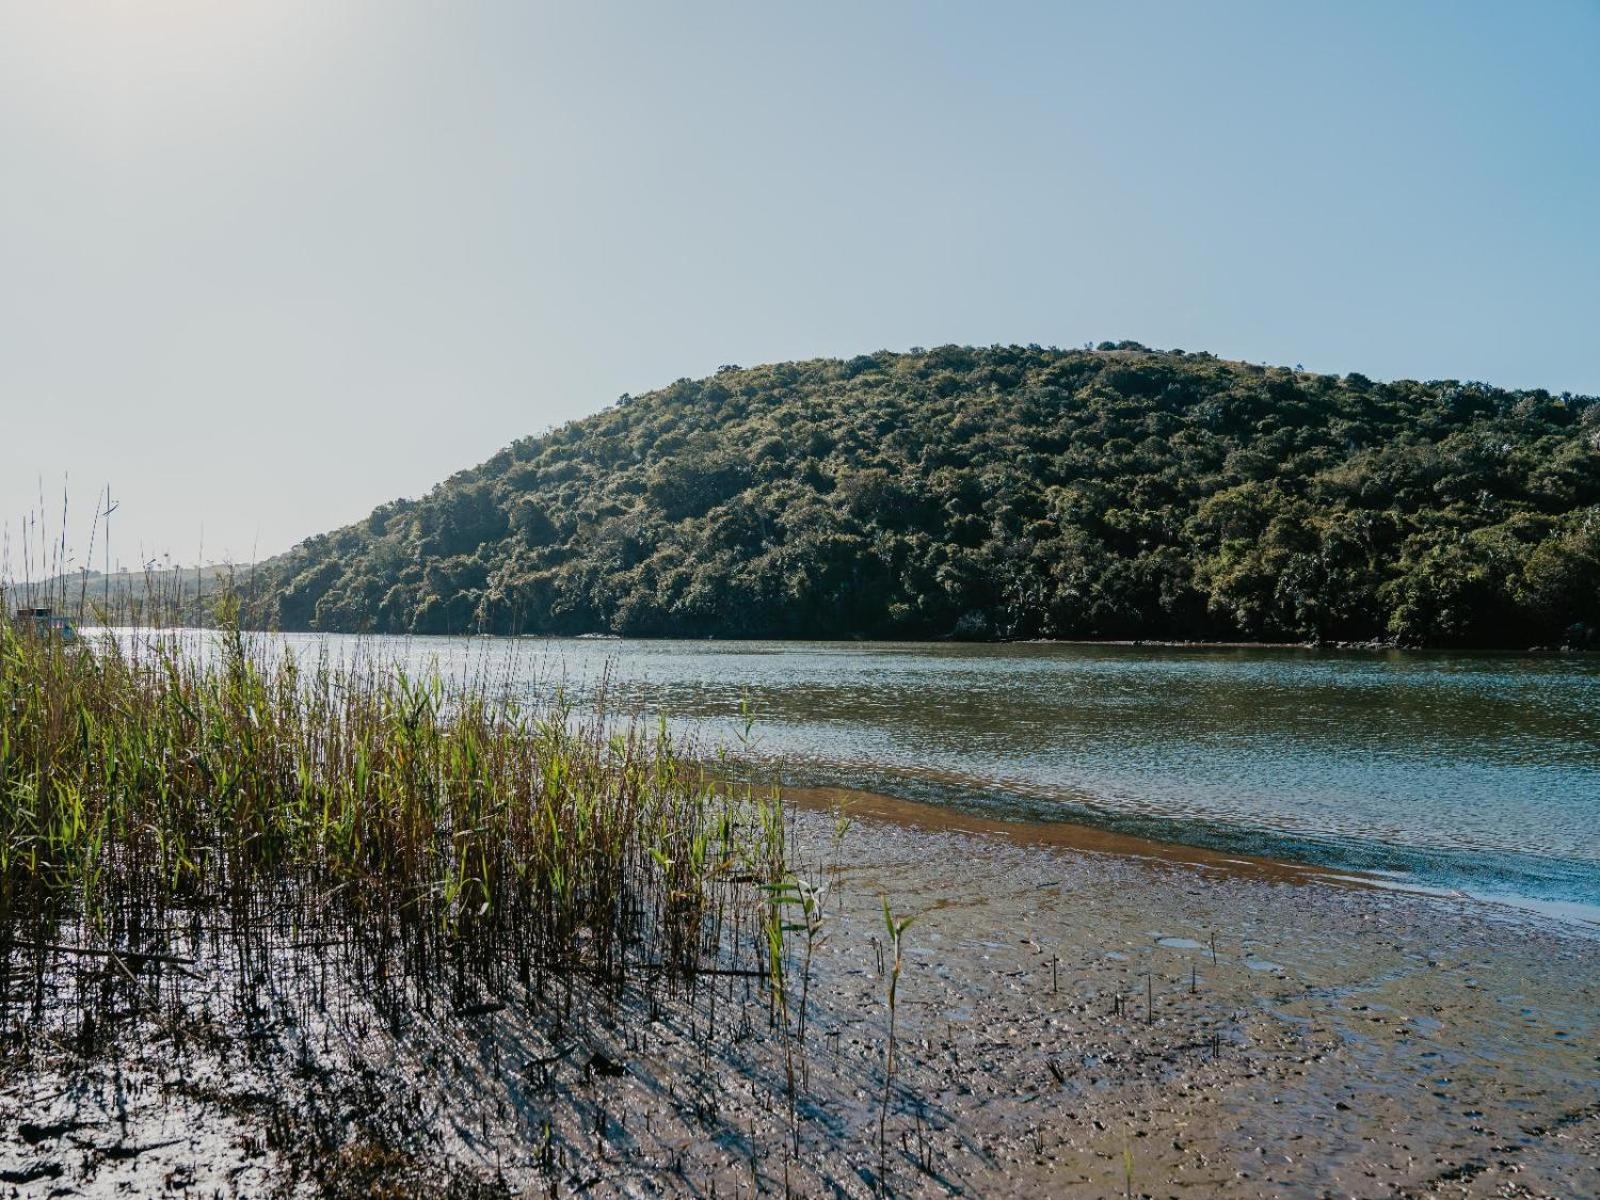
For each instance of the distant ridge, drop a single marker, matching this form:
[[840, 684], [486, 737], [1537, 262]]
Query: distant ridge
[[161, 593], [1007, 492]]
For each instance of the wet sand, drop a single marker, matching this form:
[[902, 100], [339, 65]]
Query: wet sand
[[1077, 1016], [915, 816]]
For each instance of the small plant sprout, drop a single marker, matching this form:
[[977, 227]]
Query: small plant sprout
[[895, 929]]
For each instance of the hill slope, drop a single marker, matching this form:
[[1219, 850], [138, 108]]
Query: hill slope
[[1003, 492]]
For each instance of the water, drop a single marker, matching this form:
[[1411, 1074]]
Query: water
[[1477, 773]]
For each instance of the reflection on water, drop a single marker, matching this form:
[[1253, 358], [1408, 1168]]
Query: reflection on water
[[1471, 771]]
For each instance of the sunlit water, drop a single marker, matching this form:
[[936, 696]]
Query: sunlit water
[[1470, 772]]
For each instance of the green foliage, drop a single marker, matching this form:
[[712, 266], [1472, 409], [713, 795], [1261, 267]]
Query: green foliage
[[1008, 492]]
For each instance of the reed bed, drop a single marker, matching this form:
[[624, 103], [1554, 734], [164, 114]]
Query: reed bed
[[445, 844]]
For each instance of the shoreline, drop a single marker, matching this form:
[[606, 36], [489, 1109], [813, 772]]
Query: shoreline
[[918, 815], [1131, 643], [1073, 1021]]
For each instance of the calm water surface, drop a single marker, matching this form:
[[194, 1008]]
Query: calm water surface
[[1473, 772]]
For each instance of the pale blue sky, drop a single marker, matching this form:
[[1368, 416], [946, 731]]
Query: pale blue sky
[[266, 264]]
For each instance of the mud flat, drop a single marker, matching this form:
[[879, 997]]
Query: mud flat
[[1073, 1020]]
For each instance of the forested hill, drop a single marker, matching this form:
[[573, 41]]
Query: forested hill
[[1011, 492]]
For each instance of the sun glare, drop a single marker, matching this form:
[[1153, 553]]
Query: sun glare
[[123, 75]]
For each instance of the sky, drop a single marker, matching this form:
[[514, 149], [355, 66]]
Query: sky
[[267, 264]]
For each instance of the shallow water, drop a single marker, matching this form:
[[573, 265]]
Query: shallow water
[[1470, 772]]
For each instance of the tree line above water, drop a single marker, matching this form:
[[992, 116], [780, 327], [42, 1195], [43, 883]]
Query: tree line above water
[[1008, 492]]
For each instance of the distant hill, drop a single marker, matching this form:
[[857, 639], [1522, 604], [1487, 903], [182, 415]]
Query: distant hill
[[1009, 492], [163, 594]]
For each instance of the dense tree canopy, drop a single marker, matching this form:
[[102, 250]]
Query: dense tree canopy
[[1009, 492]]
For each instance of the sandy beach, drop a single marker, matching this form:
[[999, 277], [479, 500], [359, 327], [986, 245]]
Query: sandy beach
[[1077, 1015]]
